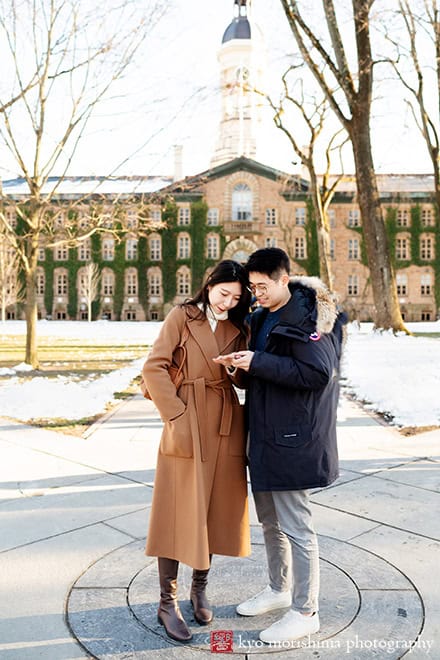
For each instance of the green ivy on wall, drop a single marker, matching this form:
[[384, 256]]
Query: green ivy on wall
[[169, 251], [311, 263], [415, 230], [199, 212]]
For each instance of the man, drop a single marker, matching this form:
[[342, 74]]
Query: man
[[293, 367]]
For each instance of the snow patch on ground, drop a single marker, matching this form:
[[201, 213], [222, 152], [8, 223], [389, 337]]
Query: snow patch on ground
[[397, 375]]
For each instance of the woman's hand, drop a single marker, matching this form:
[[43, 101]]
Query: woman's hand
[[239, 360]]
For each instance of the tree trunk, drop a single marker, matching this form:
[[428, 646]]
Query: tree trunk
[[31, 305], [322, 233], [387, 310]]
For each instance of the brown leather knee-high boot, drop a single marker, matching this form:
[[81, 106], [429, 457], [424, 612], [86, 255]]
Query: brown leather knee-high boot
[[169, 614], [202, 610]]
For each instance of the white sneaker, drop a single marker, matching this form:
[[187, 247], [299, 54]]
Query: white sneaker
[[291, 626], [266, 601]]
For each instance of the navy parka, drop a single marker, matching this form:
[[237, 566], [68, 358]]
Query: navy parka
[[293, 392]]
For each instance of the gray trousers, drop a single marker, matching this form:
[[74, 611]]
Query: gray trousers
[[291, 545]]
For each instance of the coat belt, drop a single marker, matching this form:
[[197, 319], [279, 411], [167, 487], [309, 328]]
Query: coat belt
[[224, 388]]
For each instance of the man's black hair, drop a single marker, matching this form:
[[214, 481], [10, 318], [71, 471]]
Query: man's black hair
[[270, 261]]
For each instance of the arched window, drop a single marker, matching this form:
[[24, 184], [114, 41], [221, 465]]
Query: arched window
[[107, 282], [402, 284], [131, 282], [242, 202], [108, 249], [41, 282], [183, 246], [85, 250], [154, 282], [183, 277], [155, 244], [61, 282], [212, 246]]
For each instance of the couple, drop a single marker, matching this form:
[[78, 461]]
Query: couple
[[290, 372]]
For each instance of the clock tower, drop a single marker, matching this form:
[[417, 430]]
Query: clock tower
[[241, 72]]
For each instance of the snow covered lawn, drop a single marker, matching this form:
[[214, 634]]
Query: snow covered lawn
[[399, 376]]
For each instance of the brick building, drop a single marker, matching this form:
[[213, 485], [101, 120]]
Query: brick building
[[228, 211]]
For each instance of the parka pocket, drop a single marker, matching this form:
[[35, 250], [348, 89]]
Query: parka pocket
[[237, 439], [177, 438], [293, 436]]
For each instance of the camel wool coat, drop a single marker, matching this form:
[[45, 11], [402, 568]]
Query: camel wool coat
[[200, 492]]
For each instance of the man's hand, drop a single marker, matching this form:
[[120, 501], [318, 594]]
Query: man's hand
[[241, 359]]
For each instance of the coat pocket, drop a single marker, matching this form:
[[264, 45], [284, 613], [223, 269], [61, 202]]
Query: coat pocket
[[293, 436], [237, 439], [177, 438]]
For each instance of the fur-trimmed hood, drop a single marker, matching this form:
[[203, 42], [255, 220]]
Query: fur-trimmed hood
[[313, 297]]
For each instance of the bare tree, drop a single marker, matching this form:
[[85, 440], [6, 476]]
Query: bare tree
[[76, 52], [10, 288], [89, 278], [313, 114], [417, 65], [350, 96]]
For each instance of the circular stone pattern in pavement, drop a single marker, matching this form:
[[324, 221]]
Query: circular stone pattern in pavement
[[367, 607]]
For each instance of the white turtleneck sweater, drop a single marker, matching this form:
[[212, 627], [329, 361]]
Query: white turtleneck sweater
[[212, 317]]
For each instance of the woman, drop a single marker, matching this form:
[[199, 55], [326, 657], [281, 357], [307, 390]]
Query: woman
[[199, 503]]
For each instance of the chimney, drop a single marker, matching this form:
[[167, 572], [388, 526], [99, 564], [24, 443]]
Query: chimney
[[178, 167]]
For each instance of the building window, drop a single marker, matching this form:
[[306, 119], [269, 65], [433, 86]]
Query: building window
[[271, 241], [271, 217], [61, 284], [85, 250], [300, 215], [131, 248], [213, 217], [154, 284], [183, 246], [60, 220], [353, 248], [426, 248], [108, 249], [425, 316], [242, 202], [108, 282], [354, 218], [83, 219], [402, 217], [402, 249], [331, 213], [156, 215], [402, 284], [353, 285], [11, 218], [41, 253], [427, 216], [155, 248], [131, 282], [332, 248], [183, 282], [41, 283], [132, 219], [60, 253], [107, 219], [425, 284], [212, 246], [300, 248], [184, 215]]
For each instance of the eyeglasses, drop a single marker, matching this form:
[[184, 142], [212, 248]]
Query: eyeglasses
[[262, 288]]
